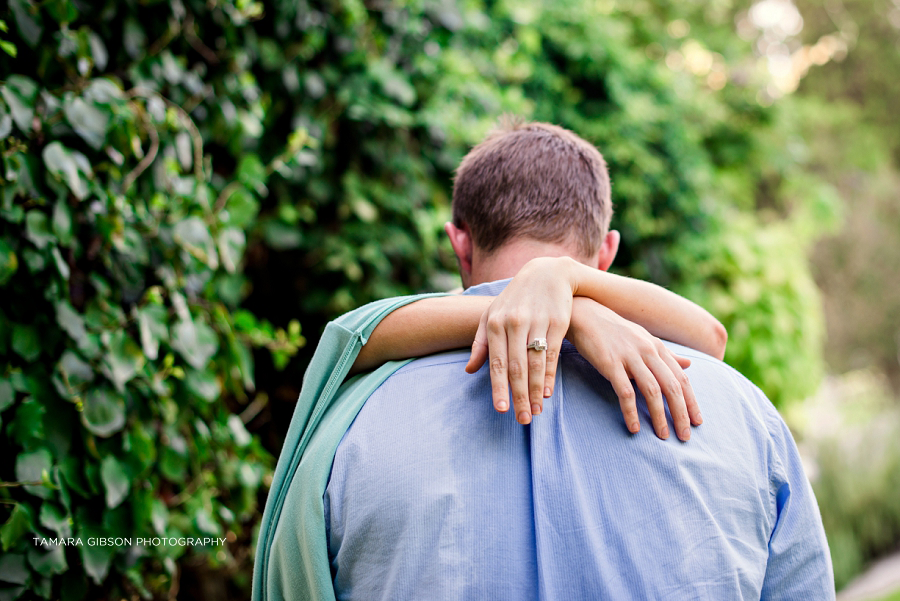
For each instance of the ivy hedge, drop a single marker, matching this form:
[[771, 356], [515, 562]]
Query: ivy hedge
[[185, 183]]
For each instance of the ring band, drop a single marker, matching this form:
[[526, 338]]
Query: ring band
[[538, 344]]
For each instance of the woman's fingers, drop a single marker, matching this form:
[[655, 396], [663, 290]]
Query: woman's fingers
[[517, 371], [671, 388], [648, 385], [479, 346], [496, 335], [625, 391], [555, 335], [676, 363], [537, 371]]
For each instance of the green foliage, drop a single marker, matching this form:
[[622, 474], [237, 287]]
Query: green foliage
[[126, 364], [180, 176]]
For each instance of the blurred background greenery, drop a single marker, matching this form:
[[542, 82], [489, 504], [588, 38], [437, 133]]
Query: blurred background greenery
[[188, 185]]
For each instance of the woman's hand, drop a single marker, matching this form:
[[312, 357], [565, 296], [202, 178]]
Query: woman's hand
[[623, 351], [537, 303]]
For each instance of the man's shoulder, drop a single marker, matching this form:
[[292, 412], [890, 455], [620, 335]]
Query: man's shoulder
[[718, 373], [445, 370]]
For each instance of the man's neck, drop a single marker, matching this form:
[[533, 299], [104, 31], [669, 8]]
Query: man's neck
[[506, 261]]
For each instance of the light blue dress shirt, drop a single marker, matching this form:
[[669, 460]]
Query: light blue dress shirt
[[434, 495]]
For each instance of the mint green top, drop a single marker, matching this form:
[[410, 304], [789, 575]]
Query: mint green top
[[291, 552]]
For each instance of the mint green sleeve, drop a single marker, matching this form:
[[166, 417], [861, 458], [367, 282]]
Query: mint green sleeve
[[291, 552]]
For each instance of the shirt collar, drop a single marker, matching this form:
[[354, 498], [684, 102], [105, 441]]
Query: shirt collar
[[488, 288]]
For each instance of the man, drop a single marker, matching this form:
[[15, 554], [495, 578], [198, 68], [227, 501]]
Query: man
[[435, 495]]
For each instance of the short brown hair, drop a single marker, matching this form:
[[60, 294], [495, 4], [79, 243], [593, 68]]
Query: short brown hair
[[533, 180]]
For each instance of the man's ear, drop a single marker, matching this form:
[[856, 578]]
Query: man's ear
[[608, 250], [461, 241]]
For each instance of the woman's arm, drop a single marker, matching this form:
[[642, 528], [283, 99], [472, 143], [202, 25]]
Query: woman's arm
[[421, 328], [664, 313], [520, 315]]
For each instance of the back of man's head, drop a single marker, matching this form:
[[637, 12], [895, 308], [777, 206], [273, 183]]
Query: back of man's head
[[536, 181]]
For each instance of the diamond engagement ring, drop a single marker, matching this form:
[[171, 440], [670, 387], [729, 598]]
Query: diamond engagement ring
[[538, 344]]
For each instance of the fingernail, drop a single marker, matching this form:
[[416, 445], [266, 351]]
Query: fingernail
[[633, 427], [699, 418], [535, 409], [547, 392], [502, 406], [524, 417], [665, 431], [685, 434]]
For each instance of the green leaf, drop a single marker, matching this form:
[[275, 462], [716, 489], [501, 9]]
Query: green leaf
[[63, 11], [26, 341], [69, 166], [88, 121], [141, 448], [9, 48], [48, 562], [71, 321], [96, 558], [20, 93], [58, 428], [252, 173], [196, 342], [98, 51], [244, 360], [193, 235], [71, 471], [62, 222], [13, 569], [206, 524], [27, 427], [103, 91], [159, 516], [104, 412], [20, 522], [115, 480], [61, 265], [393, 82], [34, 260], [7, 395], [123, 360], [203, 384], [29, 24], [152, 326], [55, 519], [231, 248], [172, 464], [5, 124], [37, 228], [31, 466], [77, 372], [238, 432], [241, 209], [9, 263]]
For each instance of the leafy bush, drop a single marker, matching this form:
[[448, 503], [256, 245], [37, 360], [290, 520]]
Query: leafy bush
[[127, 371], [179, 176]]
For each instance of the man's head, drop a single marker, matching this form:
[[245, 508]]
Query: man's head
[[529, 190]]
